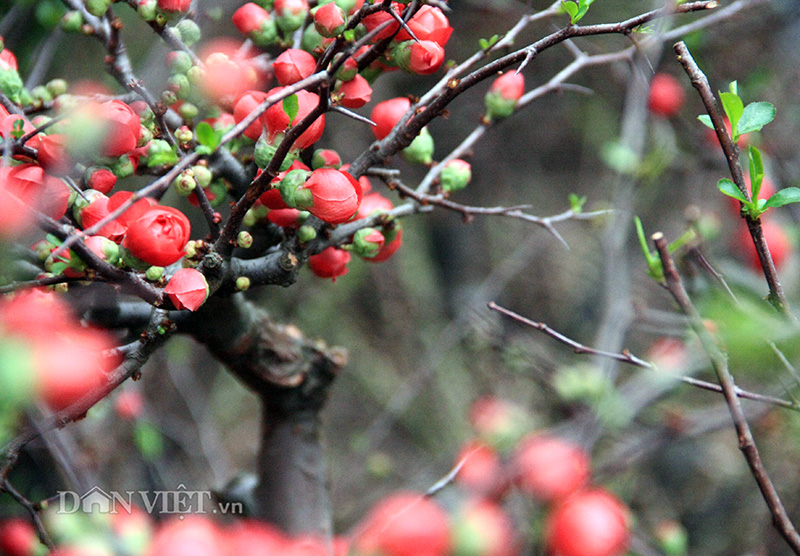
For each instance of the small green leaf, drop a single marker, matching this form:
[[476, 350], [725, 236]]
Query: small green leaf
[[755, 116], [291, 106], [576, 202], [705, 119], [571, 8], [203, 150], [783, 197], [734, 88], [205, 134], [17, 129], [729, 188], [756, 171], [349, 35], [733, 108], [166, 158], [488, 43]]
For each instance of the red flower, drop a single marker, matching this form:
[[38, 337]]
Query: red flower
[[387, 113], [550, 468], [174, 5], [249, 17], [483, 528], [123, 128], [510, 85], [17, 537], [666, 95], [7, 60], [405, 524], [51, 154], [242, 107], [95, 212], [378, 18], [589, 523], [423, 57], [329, 263], [355, 93], [187, 289], [159, 236], [293, 65], [329, 20], [229, 73], [390, 247], [31, 185], [277, 121], [336, 195], [428, 24], [102, 180], [372, 202], [134, 212], [284, 217], [72, 364], [14, 217]]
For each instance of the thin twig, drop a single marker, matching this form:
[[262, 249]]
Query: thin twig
[[747, 444], [627, 357]]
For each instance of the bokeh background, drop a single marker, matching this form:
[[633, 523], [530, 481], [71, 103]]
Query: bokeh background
[[423, 346]]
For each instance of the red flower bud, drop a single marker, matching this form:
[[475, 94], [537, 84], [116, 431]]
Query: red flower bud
[[428, 24], [390, 246], [550, 468], [503, 95], [329, 20], [277, 121], [355, 93], [249, 18], [242, 107], [134, 212], [30, 184], [284, 217], [159, 236], [123, 127], [589, 523], [95, 212], [187, 289], [330, 263], [336, 195], [174, 5], [373, 202], [326, 158], [378, 18], [666, 95], [386, 114], [7, 60], [17, 536], [101, 179], [293, 65], [51, 154], [405, 524]]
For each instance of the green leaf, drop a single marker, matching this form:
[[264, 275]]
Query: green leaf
[[733, 108], [576, 10], [165, 158], [729, 188], [349, 35], [571, 8], [18, 129], [291, 106], [755, 116], [488, 43], [734, 88], [576, 202], [205, 134], [705, 119], [783, 197], [756, 171]]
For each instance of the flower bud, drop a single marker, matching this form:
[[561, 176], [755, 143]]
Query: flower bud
[[189, 30], [314, 42], [179, 61], [329, 20], [254, 22], [203, 175], [367, 242], [455, 175], [11, 84], [264, 151], [242, 283], [355, 93], [72, 21], [97, 7], [423, 57], [386, 114], [306, 234], [183, 134], [293, 65], [57, 87], [290, 14], [244, 240], [326, 158], [100, 178], [335, 195], [420, 151], [154, 273], [187, 289], [329, 263], [290, 190], [185, 183], [503, 95]]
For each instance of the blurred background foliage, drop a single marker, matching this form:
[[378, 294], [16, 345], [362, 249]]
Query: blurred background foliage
[[422, 344]]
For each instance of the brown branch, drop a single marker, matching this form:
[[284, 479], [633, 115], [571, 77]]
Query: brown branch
[[747, 445], [700, 82], [627, 357]]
